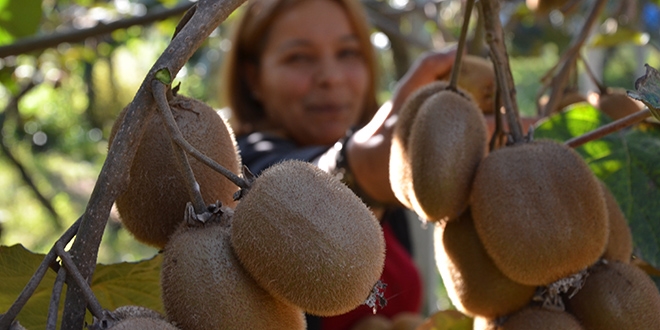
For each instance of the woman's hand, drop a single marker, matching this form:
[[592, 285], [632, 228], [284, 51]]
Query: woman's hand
[[369, 149]]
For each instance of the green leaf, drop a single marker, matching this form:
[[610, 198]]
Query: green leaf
[[619, 37], [164, 76], [450, 320], [627, 162], [18, 18], [648, 90], [113, 285]]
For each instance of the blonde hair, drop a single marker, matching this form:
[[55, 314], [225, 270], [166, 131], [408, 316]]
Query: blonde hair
[[248, 42]]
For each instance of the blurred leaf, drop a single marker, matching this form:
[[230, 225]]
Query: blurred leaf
[[113, 285], [448, 320], [621, 36], [627, 162], [648, 90], [18, 18]]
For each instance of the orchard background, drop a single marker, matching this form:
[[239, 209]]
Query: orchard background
[[68, 67]]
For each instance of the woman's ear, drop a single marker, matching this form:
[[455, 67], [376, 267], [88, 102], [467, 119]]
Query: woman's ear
[[252, 79]]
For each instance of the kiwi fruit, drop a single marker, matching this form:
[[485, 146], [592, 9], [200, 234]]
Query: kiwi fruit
[[539, 211], [407, 321], [447, 141], [619, 243], [373, 322], [400, 165], [308, 239], [617, 295], [152, 206], [204, 285], [616, 104], [529, 318], [132, 318], [477, 77], [473, 282], [446, 319]]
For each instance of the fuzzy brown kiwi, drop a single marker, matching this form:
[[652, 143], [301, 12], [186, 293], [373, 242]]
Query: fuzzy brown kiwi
[[617, 295], [152, 206], [132, 318], [616, 104], [619, 243], [535, 318], [407, 321], [539, 211], [373, 322], [400, 166], [473, 282], [204, 285], [477, 77], [308, 239], [448, 139]]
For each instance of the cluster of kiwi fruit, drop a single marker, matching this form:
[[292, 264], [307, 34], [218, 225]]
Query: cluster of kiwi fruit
[[522, 227], [296, 241]]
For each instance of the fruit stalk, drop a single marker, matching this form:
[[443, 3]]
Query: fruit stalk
[[498, 53], [456, 68]]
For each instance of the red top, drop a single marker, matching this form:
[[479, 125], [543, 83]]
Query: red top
[[403, 291]]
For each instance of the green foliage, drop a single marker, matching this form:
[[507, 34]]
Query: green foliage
[[620, 36], [113, 285], [627, 162], [648, 90], [18, 18], [450, 320]]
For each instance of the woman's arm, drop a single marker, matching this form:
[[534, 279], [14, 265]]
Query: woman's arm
[[369, 148]]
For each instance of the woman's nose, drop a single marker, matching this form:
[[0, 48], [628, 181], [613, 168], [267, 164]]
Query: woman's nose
[[329, 72]]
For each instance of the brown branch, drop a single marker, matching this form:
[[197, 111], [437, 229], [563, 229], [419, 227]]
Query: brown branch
[[460, 49], [113, 178], [7, 318], [609, 128], [498, 54], [71, 269], [26, 45], [160, 95], [53, 308], [569, 58]]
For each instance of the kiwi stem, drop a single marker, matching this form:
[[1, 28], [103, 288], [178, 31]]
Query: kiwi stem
[[590, 73], [187, 147], [456, 68], [92, 303], [51, 321], [7, 318], [498, 54], [569, 58], [160, 96], [609, 128]]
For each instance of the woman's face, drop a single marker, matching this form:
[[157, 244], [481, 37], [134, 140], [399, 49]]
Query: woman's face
[[312, 78]]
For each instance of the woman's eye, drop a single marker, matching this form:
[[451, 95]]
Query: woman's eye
[[350, 53], [298, 58]]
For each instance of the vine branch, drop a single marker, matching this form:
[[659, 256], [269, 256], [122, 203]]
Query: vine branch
[[609, 128], [113, 178], [37, 43], [460, 49]]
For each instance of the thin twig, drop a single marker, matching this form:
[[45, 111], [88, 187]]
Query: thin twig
[[569, 57], [71, 269], [609, 128], [23, 46], [53, 308], [160, 95], [498, 54], [113, 178], [590, 73], [178, 138], [31, 286], [456, 68]]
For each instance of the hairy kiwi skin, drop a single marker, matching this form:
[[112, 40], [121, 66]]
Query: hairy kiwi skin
[[143, 323], [616, 104], [619, 243], [617, 295], [133, 317], [447, 142], [205, 287], [477, 77], [400, 162], [308, 239], [152, 206], [474, 284], [532, 318], [539, 212], [373, 322]]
